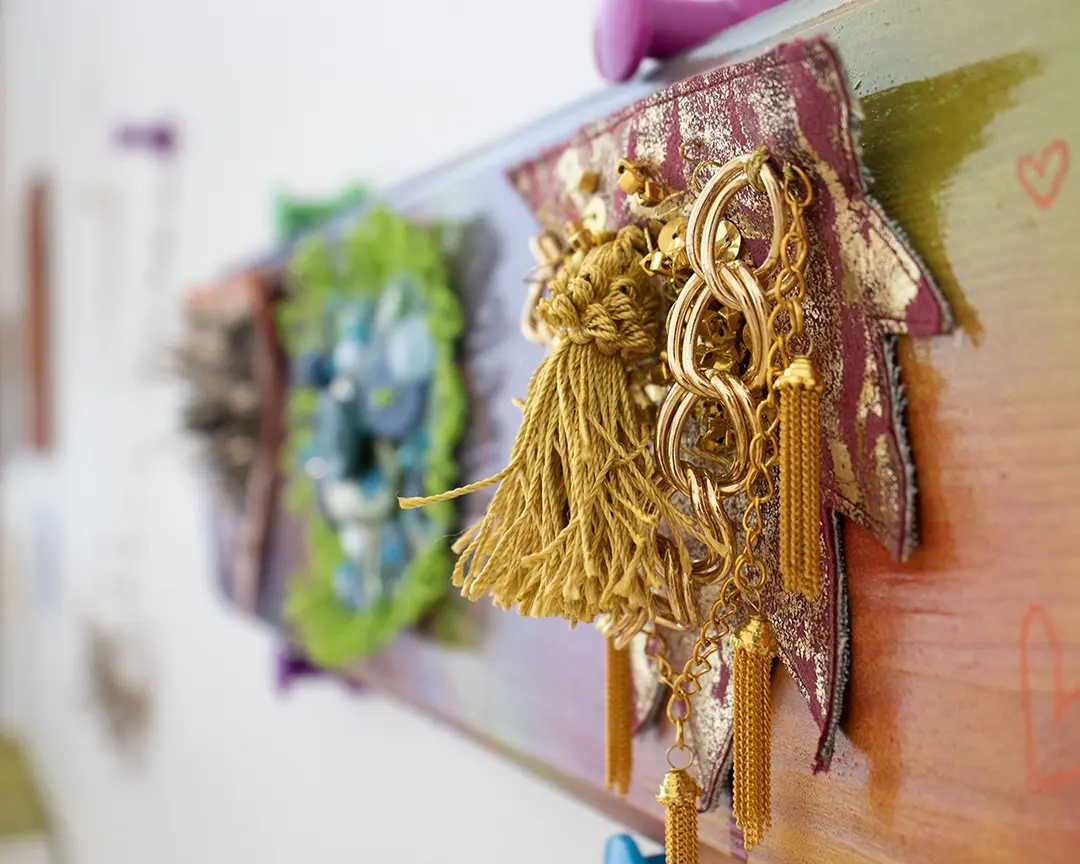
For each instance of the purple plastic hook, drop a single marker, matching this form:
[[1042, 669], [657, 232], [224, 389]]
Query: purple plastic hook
[[158, 138], [293, 664], [628, 31]]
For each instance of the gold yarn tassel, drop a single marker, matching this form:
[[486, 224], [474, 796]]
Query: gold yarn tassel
[[755, 645], [800, 478], [620, 719], [679, 795], [573, 529]]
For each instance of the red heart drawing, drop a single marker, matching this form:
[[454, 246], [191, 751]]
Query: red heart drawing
[[1043, 176], [1063, 698]]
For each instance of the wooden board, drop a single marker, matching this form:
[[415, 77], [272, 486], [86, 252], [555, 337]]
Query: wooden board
[[961, 739], [38, 320]]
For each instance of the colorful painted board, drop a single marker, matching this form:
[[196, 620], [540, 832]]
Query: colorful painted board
[[960, 734]]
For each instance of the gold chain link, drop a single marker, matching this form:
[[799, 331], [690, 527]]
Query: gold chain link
[[747, 577]]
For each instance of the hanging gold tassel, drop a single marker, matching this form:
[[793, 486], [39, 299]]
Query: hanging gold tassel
[[800, 478], [679, 795], [573, 529], [620, 719], [755, 645]]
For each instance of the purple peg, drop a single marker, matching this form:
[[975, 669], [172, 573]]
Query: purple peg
[[157, 138], [292, 665], [628, 31]]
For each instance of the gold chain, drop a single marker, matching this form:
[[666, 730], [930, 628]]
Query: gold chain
[[747, 577], [789, 287]]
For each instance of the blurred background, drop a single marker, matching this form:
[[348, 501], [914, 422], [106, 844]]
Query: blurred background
[[108, 525], [140, 718]]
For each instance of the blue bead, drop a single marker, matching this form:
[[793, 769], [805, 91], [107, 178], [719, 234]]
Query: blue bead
[[313, 370], [349, 358], [410, 351], [359, 331], [372, 482], [385, 418], [337, 437], [345, 582], [413, 451], [392, 546]]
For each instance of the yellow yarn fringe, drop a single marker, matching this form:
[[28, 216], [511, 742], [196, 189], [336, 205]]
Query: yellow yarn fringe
[[573, 529]]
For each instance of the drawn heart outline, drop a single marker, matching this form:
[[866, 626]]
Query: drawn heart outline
[[1063, 698], [1032, 172]]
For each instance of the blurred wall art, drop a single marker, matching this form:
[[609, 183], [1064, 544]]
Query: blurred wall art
[[377, 405]]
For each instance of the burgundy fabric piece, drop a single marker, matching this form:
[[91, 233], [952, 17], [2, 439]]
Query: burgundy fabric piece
[[865, 288]]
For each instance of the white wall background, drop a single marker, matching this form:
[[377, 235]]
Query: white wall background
[[268, 95]]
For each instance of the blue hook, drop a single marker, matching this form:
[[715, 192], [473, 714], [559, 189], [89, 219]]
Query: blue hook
[[621, 849]]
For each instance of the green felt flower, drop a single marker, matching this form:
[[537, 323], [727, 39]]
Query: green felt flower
[[383, 249]]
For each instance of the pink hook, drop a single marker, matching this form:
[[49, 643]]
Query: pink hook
[[628, 31]]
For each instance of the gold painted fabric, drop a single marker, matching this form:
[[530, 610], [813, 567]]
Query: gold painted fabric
[[865, 288]]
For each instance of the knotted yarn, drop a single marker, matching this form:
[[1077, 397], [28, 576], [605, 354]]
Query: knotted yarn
[[573, 530]]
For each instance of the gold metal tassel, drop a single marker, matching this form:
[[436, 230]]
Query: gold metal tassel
[[800, 478], [620, 719], [679, 795], [755, 645]]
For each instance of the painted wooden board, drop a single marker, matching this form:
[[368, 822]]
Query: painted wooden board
[[961, 739]]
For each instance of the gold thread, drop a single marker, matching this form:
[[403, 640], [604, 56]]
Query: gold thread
[[755, 646], [679, 793], [800, 482], [620, 719]]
